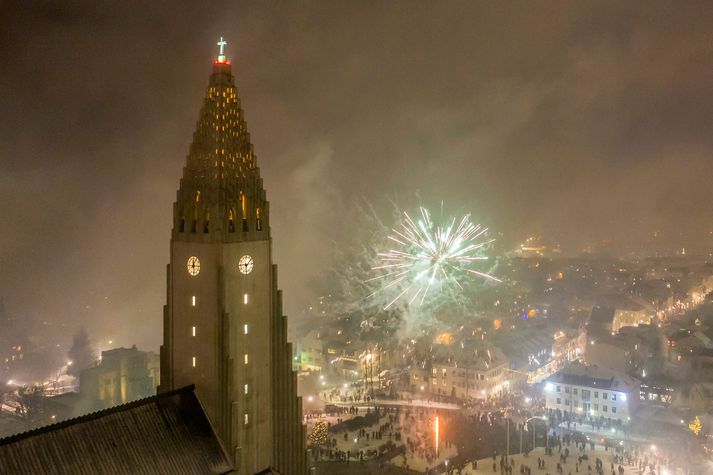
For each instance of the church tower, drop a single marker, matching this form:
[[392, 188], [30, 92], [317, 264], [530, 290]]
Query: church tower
[[223, 325]]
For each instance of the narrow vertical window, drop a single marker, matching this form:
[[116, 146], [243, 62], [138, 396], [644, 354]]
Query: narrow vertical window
[[193, 331], [231, 221], [193, 300], [246, 419], [246, 389], [245, 358], [245, 329], [194, 361], [245, 299]]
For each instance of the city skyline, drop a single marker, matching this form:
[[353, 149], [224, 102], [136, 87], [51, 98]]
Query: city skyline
[[489, 220], [545, 127]]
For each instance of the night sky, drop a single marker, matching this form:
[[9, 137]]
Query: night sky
[[577, 121]]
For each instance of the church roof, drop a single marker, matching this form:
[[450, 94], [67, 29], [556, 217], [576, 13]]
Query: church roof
[[167, 433]]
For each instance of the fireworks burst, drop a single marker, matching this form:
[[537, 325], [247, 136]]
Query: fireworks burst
[[431, 258]]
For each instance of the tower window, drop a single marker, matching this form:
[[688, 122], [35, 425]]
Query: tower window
[[245, 225], [245, 418], [245, 299], [245, 358], [182, 225], [193, 331], [205, 227], [194, 225], [193, 300], [245, 389], [194, 361], [245, 329]]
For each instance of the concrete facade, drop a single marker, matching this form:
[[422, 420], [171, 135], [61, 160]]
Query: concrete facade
[[124, 375]]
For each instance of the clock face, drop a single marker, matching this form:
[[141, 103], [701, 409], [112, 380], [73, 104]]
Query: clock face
[[194, 265], [245, 264]]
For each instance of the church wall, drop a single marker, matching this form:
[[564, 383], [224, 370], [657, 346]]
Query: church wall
[[256, 442], [204, 346]]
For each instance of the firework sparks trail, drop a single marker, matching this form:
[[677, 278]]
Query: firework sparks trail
[[431, 257]]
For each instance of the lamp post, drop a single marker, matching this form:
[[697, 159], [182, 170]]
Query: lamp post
[[522, 427], [534, 430]]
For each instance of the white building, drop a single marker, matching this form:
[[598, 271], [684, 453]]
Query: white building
[[460, 373], [584, 393]]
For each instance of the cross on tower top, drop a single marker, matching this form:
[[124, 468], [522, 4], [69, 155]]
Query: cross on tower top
[[221, 54]]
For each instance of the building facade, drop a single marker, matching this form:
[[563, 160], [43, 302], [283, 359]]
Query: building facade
[[470, 373], [632, 317], [223, 325], [124, 375], [591, 394], [311, 352]]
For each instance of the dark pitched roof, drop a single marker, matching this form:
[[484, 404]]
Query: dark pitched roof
[[601, 315], [593, 376], [167, 433], [582, 380]]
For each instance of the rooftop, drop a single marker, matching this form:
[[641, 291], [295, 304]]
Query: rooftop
[[594, 376], [167, 433]]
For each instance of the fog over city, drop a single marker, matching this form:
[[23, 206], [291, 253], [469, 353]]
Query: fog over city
[[356, 237], [586, 123]]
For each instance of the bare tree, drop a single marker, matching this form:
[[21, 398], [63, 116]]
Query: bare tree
[[81, 354]]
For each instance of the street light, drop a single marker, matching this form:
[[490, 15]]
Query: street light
[[534, 427]]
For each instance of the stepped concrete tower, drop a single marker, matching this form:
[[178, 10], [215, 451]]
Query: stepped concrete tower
[[223, 325]]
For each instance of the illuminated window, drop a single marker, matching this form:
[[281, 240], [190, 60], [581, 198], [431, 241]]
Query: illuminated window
[[245, 388], [245, 419], [193, 331], [245, 329], [193, 300], [194, 361], [245, 299], [245, 358]]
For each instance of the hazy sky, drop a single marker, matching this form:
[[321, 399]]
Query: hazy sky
[[579, 121]]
